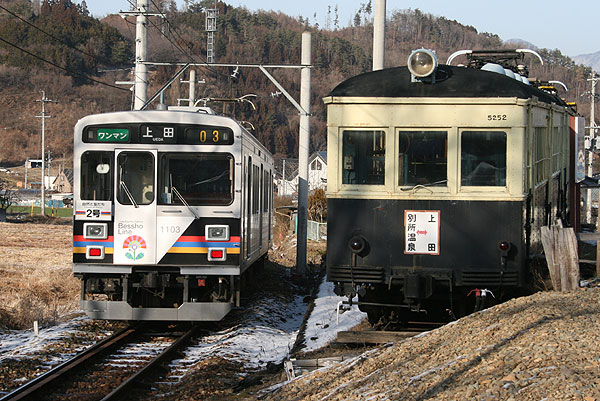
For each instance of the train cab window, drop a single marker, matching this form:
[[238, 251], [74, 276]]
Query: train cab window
[[96, 176], [483, 158], [196, 178], [363, 157], [422, 158], [135, 179]]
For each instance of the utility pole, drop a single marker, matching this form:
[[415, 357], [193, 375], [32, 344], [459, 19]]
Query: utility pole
[[44, 100], [192, 89], [379, 35], [303, 148], [141, 51], [590, 170], [141, 54]]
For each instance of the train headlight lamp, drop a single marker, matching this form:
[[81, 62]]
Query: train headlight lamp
[[422, 64], [357, 244], [217, 233], [95, 231], [504, 246]]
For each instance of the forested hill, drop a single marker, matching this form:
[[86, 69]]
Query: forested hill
[[76, 59]]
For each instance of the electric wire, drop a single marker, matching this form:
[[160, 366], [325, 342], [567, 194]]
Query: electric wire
[[61, 67], [175, 45], [171, 26], [95, 57]]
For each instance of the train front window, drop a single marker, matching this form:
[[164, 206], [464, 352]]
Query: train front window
[[96, 176], [135, 185], [422, 158], [483, 158], [363, 157], [196, 178]]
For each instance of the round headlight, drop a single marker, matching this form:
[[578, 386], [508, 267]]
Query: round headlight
[[422, 62], [504, 246], [356, 244]]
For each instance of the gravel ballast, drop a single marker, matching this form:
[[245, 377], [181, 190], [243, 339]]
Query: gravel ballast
[[542, 347]]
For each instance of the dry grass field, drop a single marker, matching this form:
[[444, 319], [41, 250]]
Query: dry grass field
[[35, 267]]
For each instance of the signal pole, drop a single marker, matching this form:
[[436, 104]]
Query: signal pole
[[44, 100], [211, 29]]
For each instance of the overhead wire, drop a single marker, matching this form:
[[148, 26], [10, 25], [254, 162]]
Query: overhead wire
[[173, 41], [175, 45], [95, 57], [172, 27], [61, 67]]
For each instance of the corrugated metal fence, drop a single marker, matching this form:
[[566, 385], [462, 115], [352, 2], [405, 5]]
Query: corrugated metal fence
[[316, 231]]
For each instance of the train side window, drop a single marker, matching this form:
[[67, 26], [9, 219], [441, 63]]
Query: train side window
[[483, 158], [198, 178], [422, 158], [363, 157], [135, 178], [255, 190], [266, 192], [96, 176]]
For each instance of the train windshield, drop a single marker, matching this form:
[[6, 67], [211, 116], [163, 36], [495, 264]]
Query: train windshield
[[196, 179], [135, 178], [422, 158], [96, 176], [483, 158], [363, 157]]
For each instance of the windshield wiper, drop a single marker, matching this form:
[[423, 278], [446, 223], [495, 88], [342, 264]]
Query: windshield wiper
[[182, 199], [213, 179], [128, 193], [417, 186]]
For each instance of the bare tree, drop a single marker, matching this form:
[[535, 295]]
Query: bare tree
[[8, 197]]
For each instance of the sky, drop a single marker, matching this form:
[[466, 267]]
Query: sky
[[553, 24]]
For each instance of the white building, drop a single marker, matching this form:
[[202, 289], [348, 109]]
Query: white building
[[317, 176]]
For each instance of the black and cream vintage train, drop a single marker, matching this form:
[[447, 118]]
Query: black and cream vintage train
[[171, 209], [439, 179]]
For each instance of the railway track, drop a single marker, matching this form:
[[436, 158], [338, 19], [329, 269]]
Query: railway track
[[109, 369]]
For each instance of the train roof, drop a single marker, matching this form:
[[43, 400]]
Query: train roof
[[451, 81]]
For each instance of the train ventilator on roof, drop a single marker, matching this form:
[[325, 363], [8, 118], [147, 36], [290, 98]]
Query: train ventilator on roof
[[422, 64]]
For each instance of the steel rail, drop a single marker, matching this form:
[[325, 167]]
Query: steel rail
[[41, 381], [157, 361]]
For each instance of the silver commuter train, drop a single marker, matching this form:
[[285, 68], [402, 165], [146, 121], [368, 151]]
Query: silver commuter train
[[439, 179], [171, 209]]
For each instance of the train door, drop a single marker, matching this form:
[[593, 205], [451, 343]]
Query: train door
[[135, 207], [248, 214], [260, 197]]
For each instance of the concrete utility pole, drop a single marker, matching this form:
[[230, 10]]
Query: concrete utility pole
[[140, 81], [141, 54], [379, 35], [44, 100], [304, 143], [590, 169]]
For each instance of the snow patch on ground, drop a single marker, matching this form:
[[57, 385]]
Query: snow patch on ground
[[16, 344], [269, 329], [321, 328], [266, 334]]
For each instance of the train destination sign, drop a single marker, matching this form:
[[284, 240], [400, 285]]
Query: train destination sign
[[112, 135], [159, 134], [422, 232]]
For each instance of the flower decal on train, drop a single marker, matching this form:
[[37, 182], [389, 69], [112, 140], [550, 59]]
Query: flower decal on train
[[135, 246]]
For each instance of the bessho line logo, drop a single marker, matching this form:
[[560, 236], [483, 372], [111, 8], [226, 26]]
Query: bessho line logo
[[135, 246]]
